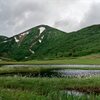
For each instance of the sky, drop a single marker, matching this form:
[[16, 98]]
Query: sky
[[68, 15]]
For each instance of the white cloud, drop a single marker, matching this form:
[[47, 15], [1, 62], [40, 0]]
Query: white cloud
[[68, 15], [93, 16]]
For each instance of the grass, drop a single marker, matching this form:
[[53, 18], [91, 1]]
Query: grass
[[26, 95], [91, 59], [67, 61], [44, 88], [20, 88], [28, 69]]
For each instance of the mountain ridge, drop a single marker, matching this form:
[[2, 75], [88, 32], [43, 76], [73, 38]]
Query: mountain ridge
[[45, 42]]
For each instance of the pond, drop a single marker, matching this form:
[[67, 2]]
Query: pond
[[56, 73], [51, 65], [76, 73]]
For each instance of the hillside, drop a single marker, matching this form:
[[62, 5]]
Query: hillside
[[2, 38], [44, 42]]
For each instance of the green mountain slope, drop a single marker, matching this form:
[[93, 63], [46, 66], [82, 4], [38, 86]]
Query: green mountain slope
[[44, 42], [24, 45], [2, 38]]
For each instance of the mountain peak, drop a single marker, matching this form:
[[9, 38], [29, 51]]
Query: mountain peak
[[45, 42], [43, 25]]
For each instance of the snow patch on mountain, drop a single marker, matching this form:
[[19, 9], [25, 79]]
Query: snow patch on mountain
[[32, 51], [5, 41], [23, 34], [40, 40], [26, 57], [41, 29], [27, 33], [16, 40], [42, 37]]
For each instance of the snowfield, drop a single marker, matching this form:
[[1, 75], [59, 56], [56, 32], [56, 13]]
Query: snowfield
[[16, 40], [42, 29]]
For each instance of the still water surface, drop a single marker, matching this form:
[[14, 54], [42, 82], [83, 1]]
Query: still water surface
[[58, 73]]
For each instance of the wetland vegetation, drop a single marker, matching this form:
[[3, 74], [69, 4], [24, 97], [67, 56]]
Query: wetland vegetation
[[34, 83]]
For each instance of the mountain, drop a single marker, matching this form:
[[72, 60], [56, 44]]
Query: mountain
[[45, 42], [26, 45], [2, 38]]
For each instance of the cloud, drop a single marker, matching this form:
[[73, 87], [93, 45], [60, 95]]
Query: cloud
[[93, 16], [67, 15], [74, 16]]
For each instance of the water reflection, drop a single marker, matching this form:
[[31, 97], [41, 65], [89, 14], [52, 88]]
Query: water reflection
[[51, 65], [77, 73], [56, 73]]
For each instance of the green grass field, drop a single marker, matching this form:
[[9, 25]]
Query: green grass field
[[21, 88], [79, 60]]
